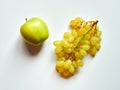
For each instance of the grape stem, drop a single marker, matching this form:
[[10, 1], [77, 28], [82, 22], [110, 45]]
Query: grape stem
[[95, 23], [80, 39]]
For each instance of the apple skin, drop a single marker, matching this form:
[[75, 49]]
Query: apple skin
[[34, 31]]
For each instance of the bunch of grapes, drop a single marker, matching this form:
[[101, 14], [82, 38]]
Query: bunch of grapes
[[84, 38]]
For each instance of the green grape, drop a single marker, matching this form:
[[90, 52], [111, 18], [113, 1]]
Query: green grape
[[60, 54], [93, 51], [67, 64], [57, 43], [70, 39], [86, 42], [77, 55], [74, 33], [58, 49], [67, 34], [62, 58], [74, 64], [94, 40], [60, 70], [79, 62], [66, 74], [65, 43], [72, 69], [68, 50], [97, 46], [98, 33], [60, 63], [83, 39], [86, 47], [83, 52]]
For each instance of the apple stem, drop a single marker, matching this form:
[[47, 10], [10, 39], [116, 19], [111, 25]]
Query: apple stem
[[26, 19]]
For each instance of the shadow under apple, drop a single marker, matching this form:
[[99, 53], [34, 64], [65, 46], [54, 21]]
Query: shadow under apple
[[33, 50]]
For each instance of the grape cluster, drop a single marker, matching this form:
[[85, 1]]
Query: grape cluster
[[84, 38]]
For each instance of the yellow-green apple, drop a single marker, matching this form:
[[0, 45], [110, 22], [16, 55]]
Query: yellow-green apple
[[34, 31]]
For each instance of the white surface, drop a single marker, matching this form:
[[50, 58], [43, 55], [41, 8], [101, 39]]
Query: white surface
[[21, 70]]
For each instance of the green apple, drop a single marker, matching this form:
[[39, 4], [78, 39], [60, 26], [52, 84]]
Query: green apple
[[34, 31]]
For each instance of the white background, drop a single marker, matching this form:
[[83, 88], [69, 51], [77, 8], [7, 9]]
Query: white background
[[25, 68]]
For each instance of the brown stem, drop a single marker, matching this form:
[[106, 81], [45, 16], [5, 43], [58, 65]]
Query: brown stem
[[94, 23], [26, 19]]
